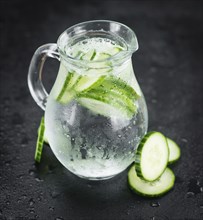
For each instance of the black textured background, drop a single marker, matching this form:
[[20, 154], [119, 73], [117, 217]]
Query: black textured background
[[168, 66]]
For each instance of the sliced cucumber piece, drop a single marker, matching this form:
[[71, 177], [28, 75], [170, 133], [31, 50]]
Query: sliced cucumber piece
[[151, 189], [88, 82], [79, 55], [45, 137], [116, 50], [152, 156], [105, 107], [66, 94], [40, 141], [103, 56], [90, 55], [120, 86], [174, 151], [110, 97]]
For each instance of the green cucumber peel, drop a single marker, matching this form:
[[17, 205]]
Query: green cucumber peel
[[40, 141]]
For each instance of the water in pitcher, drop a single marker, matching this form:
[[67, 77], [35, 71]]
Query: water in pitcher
[[95, 116]]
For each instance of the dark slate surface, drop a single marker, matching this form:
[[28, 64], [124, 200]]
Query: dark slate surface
[[168, 66]]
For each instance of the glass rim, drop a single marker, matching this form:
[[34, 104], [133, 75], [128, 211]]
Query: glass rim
[[122, 55]]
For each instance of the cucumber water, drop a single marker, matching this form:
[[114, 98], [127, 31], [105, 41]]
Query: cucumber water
[[95, 115]]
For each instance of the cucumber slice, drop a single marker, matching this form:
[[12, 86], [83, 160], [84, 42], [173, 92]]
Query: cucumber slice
[[40, 141], [151, 189], [105, 107], [120, 86], [107, 103], [174, 151], [152, 156], [111, 97], [116, 50], [45, 137], [90, 55], [66, 94], [88, 82], [103, 56]]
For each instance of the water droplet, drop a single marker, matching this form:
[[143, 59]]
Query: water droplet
[[184, 140], [154, 101], [128, 212], [31, 202], [119, 136], [51, 208], [7, 163], [193, 186], [201, 189], [59, 218], [152, 218], [38, 179], [23, 197], [32, 211], [54, 194], [7, 202], [31, 172], [72, 139], [155, 204], [190, 194]]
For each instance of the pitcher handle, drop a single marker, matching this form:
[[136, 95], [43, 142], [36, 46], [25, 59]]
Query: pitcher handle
[[35, 85]]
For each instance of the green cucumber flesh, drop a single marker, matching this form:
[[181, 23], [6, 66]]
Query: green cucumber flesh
[[117, 84], [40, 141], [106, 107], [152, 156], [174, 151], [151, 189], [66, 94], [103, 56], [45, 136], [88, 82], [90, 55], [111, 97]]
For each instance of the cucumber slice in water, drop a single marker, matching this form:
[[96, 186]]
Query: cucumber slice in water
[[151, 156], [40, 141], [107, 104], [88, 82], [105, 107], [174, 151], [112, 98], [151, 189], [90, 55], [66, 94], [103, 56]]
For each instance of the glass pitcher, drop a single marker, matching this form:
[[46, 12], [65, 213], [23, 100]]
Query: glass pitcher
[[95, 114]]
